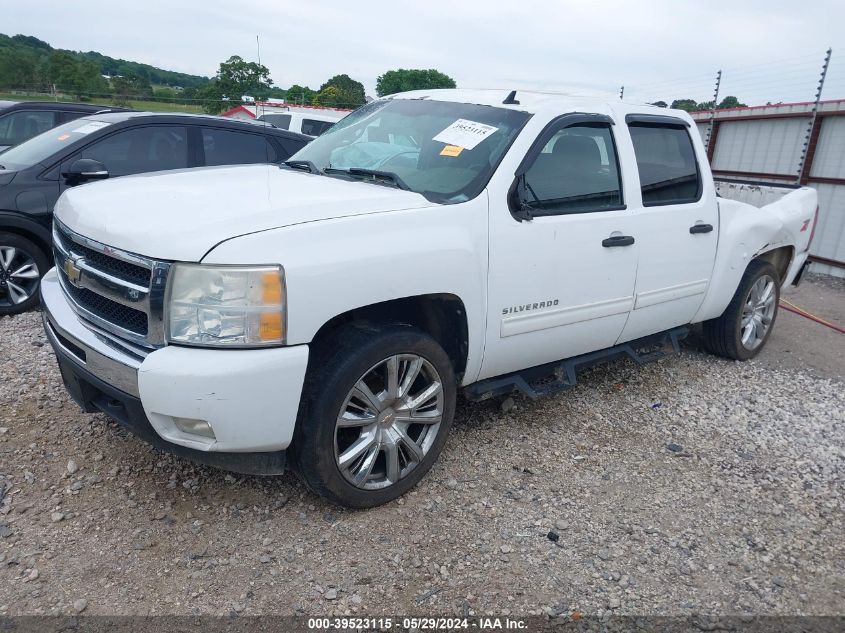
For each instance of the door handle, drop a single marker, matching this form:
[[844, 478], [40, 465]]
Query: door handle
[[617, 240], [700, 228]]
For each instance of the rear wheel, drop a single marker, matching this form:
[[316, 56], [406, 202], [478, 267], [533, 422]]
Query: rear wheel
[[22, 264], [377, 407], [746, 324]]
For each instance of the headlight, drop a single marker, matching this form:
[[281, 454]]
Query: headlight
[[226, 306]]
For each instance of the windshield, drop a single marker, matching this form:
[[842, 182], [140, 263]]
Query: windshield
[[445, 151], [40, 148]]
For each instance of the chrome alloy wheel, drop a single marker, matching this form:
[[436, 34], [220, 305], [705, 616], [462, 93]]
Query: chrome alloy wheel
[[18, 275], [389, 421], [758, 312]]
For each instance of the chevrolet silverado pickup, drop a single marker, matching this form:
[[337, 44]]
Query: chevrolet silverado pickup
[[324, 314]]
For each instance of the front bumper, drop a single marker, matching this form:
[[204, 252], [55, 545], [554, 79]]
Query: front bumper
[[250, 398]]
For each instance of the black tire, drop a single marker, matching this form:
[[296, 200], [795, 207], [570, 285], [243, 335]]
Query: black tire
[[25, 251], [723, 336], [336, 364]]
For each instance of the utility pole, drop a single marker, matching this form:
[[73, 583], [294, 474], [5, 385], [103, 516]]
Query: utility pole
[[812, 131], [258, 52], [713, 113], [621, 92]]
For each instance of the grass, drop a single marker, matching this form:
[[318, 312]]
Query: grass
[[151, 106]]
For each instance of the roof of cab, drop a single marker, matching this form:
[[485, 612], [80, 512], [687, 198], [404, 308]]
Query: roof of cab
[[536, 102], [185, 117]]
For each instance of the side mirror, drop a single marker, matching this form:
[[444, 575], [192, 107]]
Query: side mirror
[[520, 208], [85, 169]]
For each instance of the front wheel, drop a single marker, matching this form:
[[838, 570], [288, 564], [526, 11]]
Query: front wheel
[[746, 324], [377, 406], [22, 264]]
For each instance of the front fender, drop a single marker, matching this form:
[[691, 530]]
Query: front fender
[[337, 265]]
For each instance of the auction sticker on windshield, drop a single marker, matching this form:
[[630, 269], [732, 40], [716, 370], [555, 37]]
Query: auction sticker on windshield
[[93, 126], [465, 133]]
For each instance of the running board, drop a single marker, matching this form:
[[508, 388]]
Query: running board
[[563, 374]]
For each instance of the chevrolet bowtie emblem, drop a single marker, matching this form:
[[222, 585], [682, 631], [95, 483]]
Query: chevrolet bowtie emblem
[[73, 272]]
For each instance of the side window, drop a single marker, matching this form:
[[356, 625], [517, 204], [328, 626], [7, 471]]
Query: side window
[[20, 126], [666, 163], [229, 147], [575, 172], [281, 121], [312, 127], [140, 150]]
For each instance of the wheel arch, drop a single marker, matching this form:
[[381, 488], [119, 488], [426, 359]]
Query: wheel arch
[[780, 258], [25, 227], [442, 316]]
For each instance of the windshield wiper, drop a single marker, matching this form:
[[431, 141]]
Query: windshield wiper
[[305, 165], [374, 174]]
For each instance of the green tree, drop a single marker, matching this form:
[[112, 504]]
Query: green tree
[[660, 104], [62, 71], [234, 79], [18, 69], [402, 80], [329, 97], [299, 94], [690, 105], [730, 102], [129, 87], [350, 93]]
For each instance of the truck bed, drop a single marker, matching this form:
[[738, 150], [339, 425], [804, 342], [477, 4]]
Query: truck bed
[[754, 193]]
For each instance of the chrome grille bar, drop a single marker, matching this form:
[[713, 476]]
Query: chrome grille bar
[[88, 266]]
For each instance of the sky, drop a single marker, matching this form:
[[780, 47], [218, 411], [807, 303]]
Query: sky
[[658, 49]]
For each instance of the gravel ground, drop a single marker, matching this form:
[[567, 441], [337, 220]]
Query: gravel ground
[[689, 485]]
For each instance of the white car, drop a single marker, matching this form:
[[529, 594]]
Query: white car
[[326, 313], [302, 123]]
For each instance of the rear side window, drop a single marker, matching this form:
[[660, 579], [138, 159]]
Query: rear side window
[[229, 147], [17, 127], [575, 172], [141, 150], [281, 121], [312, 127], [666, 162]]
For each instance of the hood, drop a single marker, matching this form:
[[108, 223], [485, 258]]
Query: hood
[[181, 215]]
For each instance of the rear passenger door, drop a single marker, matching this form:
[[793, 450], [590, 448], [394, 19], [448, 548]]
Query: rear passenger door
[[562, 257], [221, 146], [676, 224]]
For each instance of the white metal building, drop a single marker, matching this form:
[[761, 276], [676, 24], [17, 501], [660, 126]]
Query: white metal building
[[767, 144]]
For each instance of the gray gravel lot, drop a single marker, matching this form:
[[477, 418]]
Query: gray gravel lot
[[690, 485]]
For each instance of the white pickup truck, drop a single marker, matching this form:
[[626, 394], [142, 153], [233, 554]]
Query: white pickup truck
[[325, 314]]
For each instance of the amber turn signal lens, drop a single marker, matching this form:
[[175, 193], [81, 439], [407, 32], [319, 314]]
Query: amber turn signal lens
[[271, 288], [270, 326]]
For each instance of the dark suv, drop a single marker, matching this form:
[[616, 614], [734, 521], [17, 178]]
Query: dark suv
[[20, 121], [35, 173]]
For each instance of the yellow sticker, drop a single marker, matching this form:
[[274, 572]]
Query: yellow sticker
[[451, 150], [64, 137]]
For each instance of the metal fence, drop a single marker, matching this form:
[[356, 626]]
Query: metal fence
[[799, 142], [786, 143]]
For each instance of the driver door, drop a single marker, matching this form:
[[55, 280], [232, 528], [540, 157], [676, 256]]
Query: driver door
[[563, 258]]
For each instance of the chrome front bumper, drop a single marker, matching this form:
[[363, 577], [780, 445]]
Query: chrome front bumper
[[93, 350]]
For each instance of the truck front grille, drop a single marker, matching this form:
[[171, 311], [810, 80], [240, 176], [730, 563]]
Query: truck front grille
[[122, 316], [117, 291], [117, 267]]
